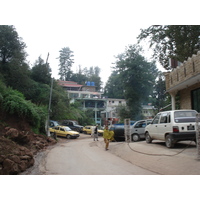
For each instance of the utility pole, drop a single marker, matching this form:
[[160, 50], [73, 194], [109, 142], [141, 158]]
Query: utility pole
[[127, 130], [198, 135], [47, 123]]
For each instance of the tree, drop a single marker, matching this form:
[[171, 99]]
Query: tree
[[137, 76], [66, 62], [172, 41], [159, 97], [91, 74], [41, 72], [114, 87], [11, 45]]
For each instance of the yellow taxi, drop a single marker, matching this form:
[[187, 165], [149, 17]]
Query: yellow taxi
[[64, 131], [89, 130]]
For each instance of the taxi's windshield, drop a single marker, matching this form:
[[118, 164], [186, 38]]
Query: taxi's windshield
[[67, 129]]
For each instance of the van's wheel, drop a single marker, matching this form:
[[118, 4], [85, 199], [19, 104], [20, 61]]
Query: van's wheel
[[68, 136], [148, 138], [169, 141], [135, 137]]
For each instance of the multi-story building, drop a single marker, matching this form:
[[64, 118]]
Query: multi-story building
[[87, 94], [105, 109], [111, 113], [148, 111]]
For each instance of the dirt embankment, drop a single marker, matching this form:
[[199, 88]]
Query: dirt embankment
[[18, 145]]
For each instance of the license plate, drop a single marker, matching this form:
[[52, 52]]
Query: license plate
[[190, 127]]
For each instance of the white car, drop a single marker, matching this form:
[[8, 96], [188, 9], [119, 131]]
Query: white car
[[138, 129], [172, 126]]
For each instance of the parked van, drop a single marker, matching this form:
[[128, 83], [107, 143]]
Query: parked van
[[172, 127]]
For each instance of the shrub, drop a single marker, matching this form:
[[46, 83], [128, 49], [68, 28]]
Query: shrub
[[14, 103]]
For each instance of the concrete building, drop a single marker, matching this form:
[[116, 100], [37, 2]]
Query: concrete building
[[185, 80], [87, 94], [148, 111], [105, 109]]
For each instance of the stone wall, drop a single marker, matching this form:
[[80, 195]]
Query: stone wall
[[185, 96], [188, 69]]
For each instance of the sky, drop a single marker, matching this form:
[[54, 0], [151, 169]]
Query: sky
[[95, 30]]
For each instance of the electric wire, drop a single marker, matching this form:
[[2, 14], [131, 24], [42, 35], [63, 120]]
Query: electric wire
[[151, 154]]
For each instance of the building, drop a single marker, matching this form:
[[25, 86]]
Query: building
[[148, 111], [185, 80], [105, 109], [87, 94], [110, 113]]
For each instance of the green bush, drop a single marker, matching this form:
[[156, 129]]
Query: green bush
[[14, 103]]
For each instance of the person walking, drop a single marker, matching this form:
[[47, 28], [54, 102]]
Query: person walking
[[96, 133], [107, 135]]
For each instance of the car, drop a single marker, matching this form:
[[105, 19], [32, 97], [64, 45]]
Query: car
[[88, 130], [138, 129], [53, 123], [118, 129], [64, 131], [73, 125], [172, 126]]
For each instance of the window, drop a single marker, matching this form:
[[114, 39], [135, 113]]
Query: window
[[163, 118], [156, 119], [141, 124], [196, 99], [184, 116]]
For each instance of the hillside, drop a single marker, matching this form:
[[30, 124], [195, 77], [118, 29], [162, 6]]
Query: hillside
[[18, 145]]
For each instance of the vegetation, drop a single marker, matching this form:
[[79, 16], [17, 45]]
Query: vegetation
[[25, 91], [66, 61], [172, 41], [133, 78]]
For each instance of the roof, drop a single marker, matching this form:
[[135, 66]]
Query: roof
[[69, 84]]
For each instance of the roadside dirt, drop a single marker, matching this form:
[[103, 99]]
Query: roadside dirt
[[19, 145]]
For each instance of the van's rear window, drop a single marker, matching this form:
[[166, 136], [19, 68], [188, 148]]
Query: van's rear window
[[184, 116]]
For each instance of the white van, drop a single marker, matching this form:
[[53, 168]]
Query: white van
[[172, 126]]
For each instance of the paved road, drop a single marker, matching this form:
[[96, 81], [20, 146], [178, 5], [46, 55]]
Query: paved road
[[86, 157], [83, 156]]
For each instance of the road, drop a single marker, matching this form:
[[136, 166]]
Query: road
[[83, 156]]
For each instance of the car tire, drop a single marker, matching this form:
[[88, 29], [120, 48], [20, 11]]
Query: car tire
[[169, 141], [148, 138], [135, 137], [68, 136]]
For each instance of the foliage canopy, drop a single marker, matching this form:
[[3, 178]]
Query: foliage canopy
[[172, 41]]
